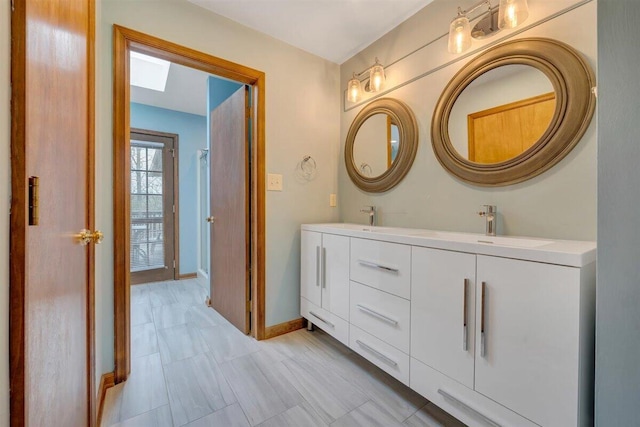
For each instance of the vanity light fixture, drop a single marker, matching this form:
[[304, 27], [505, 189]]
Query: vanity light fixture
[[509, 14], [375, 83]]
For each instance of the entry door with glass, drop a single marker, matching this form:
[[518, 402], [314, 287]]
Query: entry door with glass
[[153, 206]]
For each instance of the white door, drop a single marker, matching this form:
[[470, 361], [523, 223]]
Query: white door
[[443, 311], [335, 274], [530, 358], [310, 277]]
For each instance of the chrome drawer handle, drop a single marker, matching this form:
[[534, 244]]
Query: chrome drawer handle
[[322, 320], [459, 402], [376, 314], [376, 353], [377, 265], [317, 265]]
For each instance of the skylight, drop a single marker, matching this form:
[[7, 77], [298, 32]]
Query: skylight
[[148, 72]]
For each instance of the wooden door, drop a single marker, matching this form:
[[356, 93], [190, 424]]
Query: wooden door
[[335, 274], [230, 244], [51, 310], [311, 252], [442, 311], [531, 345], [153, 206]]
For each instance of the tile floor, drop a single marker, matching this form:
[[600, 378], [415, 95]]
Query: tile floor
[[190, 367]]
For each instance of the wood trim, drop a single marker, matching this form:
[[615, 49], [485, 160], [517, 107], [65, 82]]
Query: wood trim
[[285, 328], [125, 40], [188, 276], [91, 223], [106, 382], [18, 235]]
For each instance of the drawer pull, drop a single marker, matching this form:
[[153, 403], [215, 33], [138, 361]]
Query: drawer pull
[[483, 343], [469, 408], [317, 265], [465, 328], [377, 265], [376, 353], [324, 267], [376, 314], [322, 320]]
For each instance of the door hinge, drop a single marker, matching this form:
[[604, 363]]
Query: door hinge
[[174, 208], [13, 8], [34, 200], [174, 264]]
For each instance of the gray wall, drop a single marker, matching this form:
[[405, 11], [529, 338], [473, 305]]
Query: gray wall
[[5, 185], [560, 203], [618, 288]]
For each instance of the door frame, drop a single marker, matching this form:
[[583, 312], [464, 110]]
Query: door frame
[[126, 40], [175, 190], [19, 212]]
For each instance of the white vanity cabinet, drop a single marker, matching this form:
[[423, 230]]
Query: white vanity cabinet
[[443, 311], [496, 331], [536, 317], [324, 282]]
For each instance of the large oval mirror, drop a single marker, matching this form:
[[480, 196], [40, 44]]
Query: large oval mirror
[[513, 112], [381, 145]]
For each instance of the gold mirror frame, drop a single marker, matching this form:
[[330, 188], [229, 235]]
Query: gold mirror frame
[[572, 79], [403, 117]]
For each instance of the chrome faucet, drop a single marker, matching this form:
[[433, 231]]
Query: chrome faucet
[[489, 212], [371, 210]]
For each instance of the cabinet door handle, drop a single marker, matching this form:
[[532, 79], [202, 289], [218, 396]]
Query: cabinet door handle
[[483, 343], [478, 414], [377, 265], [317, 265], [322, 320], [465, 327], [378, 354], [376, 314], [324, 267]]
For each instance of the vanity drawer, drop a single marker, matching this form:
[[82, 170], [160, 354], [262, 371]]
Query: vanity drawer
[[383, 315], [325, 320], [386, 357], [382, 265], [467, 405]]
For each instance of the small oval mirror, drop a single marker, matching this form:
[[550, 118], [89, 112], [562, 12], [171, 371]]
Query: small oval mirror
[[376, 145], [381, 145], [501, 114]]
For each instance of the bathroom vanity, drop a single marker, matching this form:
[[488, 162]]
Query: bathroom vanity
[[497, 331]]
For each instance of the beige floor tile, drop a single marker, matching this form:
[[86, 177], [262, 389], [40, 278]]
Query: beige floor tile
[[159, 417], [143, 340], [145, 389], [231, 416], [180, 342]]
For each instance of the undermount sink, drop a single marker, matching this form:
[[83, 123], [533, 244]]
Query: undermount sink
[[515, 242]]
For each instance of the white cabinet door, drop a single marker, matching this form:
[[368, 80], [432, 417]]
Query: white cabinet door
[[335, 274], [310, 275], [530, 361], [442, 311]]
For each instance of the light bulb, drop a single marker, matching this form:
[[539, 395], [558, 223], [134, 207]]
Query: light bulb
[[376, 77], [459, 35], [512, 13], [353, 89]]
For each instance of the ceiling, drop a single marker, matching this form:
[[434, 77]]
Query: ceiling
[[186, 91], [332, 29]]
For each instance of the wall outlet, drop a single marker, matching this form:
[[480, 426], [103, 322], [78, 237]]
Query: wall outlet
[[274, 182], [332, 200]]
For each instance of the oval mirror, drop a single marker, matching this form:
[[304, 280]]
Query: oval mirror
[[376, 145], [381, 145], [513, 112]]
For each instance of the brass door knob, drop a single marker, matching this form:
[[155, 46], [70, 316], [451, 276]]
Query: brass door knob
[[211, 219], [86, 236]]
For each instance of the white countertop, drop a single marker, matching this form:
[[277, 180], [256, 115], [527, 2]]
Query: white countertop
[[562, 252]]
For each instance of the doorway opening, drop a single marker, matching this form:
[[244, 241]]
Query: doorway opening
[[238, 220]]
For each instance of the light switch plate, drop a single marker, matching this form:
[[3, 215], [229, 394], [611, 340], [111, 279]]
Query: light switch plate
[[332, 200], [274, 182]]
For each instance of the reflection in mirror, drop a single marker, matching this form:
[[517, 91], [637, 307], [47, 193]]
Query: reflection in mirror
[[376, 145], [501, 114]]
